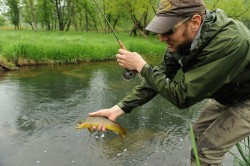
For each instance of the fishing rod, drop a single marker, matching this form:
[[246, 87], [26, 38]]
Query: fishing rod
[[127, 74]]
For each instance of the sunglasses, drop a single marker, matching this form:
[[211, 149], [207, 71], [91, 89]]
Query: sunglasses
[[172, 30]]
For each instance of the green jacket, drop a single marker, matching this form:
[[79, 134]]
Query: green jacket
[[217, 67]]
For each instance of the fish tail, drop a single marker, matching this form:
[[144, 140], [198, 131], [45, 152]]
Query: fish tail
[[122, 132], [122, 136]]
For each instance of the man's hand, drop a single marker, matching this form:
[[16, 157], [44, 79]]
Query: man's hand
[[111, 113], [130, 60]]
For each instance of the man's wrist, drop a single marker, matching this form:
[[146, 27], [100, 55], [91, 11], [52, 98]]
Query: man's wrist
[[118, 111], [140, 67]]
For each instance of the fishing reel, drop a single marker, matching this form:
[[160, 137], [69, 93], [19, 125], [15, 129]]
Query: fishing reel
[[128, 75]]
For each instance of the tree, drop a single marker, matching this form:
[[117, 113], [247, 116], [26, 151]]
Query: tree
[[140, 11], [60, 7], [2, 21], [85, 15], [45, 13], [14, 12], [29, 13]]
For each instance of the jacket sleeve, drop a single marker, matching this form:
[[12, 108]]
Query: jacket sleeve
[[143, 93], [217, 64]]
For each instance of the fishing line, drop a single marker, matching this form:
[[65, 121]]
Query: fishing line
[[113, 31], [127, 74]]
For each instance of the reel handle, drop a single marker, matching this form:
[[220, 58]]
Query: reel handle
[[127, 74]]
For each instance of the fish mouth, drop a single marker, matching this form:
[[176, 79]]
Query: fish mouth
[[78, 126]]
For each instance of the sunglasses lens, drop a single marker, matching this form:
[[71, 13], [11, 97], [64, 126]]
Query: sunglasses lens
[[170, 32]]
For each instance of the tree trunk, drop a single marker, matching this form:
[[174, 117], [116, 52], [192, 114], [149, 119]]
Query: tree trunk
[[95, 24], [87, 20], [74, 20], [48, 25], [137, 26], [33, 16], [105, 22], [116, 21], [145, 22], [59, 15], [61, 25], [68, 26]]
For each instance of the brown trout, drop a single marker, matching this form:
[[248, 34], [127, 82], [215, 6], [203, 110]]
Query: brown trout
[[89, 122]]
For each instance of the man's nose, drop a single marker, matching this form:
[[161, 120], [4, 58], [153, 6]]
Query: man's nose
[[163, 37]]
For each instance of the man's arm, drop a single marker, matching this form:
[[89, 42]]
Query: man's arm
[[143, 93]]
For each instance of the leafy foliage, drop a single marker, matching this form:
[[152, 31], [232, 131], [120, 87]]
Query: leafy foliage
[[14, 12], [2, 21], [83, 15], [237, 9]]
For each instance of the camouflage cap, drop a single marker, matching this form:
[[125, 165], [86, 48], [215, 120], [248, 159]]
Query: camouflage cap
[[170, 12]]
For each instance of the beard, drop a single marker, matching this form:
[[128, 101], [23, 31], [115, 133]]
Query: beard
[[184, 47]]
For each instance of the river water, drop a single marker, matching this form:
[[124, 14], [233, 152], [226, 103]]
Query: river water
[[41, 105]]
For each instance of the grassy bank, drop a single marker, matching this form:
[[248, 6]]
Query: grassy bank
[[28, 47]]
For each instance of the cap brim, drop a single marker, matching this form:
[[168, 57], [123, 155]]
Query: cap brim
[[161, 24]]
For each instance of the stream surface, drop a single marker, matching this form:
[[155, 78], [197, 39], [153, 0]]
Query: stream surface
[[41, 105]]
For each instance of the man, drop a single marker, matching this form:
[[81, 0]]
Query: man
[[213, 51]]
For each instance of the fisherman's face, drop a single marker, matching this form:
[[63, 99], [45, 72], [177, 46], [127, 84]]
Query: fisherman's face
[[181, 38]]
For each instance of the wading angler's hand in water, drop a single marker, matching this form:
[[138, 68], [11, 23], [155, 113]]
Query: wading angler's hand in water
[[111, 113], [130, 60]]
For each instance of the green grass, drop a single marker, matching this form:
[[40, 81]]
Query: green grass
[[71, 47], [195, 151], [244, 150], [8, 65]]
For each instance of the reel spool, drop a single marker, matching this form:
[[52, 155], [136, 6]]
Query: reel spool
[[128, 75]]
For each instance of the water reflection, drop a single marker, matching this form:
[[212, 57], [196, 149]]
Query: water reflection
[[40, 106]]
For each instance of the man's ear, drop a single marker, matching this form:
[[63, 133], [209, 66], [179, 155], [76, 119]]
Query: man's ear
[[196, 22]]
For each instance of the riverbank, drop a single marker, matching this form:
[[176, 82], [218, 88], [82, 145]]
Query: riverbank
[[43, 47]]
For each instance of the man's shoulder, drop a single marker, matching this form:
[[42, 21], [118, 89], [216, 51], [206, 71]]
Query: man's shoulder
[[221, 30], [218, 23]]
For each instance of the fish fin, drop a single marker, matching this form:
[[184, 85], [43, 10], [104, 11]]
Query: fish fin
[[116, 132], [90, 130], [125, 130], [122, 136]]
